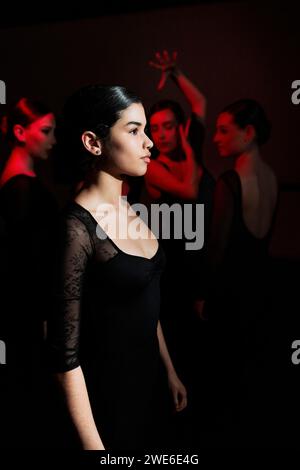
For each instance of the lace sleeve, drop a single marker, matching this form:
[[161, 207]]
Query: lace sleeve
[[74, 251]]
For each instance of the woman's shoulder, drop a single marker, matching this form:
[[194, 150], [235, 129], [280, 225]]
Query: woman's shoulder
[[262, 180], [75, 217], [73, 211], [73, 224], [18, 180]]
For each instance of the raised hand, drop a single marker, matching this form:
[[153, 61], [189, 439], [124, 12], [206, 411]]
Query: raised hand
[[166, 63]]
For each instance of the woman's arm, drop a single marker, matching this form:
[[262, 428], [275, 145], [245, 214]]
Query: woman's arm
[[164, 353], [72, 384], [176, 386], [168, 66], [64, 336], [161, 179], [193, 95]]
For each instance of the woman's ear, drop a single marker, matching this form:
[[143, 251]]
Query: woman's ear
[[250, 133], [19, 133], [91, 142]]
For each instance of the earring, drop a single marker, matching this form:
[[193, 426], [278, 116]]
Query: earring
[[98, 152]]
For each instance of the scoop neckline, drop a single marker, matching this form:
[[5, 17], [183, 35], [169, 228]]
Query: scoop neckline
[[110, 239]]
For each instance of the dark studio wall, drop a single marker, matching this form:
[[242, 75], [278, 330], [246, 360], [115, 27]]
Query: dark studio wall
[[230, 50]]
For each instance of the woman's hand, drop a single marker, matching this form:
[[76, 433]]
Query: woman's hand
[[185, 145], [178, 391], [166, 63]]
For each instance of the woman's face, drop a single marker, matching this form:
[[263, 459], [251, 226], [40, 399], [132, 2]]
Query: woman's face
[[164, 131], [230, 139], [38, 137], [128, 147]]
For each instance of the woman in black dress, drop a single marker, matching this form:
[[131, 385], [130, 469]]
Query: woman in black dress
[[105, 336], [236, 288], [27, 211]]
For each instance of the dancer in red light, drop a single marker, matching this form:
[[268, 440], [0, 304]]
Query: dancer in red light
[[27, 212], [236, 287], [178, 170]]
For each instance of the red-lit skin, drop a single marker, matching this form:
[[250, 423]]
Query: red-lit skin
[[182, 178], [259, 187], [38, 138], [164, 131], [231, 140], [32, 142], [167, 64]]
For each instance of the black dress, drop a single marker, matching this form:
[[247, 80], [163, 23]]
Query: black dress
[[237, 297], [28, 213], [105, 318], [236, 260]]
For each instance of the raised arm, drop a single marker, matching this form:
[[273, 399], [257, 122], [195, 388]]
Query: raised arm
[[64, 330], [168, 65]]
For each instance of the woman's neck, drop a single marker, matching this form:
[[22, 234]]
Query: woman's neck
[[248, 160], [103, 188], [20, 159], [19, 162]]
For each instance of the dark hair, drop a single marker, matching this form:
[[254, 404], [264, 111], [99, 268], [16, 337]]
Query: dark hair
[[93, 108], [24, 112], [248, 111], [168, 104]]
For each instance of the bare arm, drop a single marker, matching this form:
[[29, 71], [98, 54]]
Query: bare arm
[[176, 386], [75, 392], [164, 353], [193, 95], [168, 66], [163, 180]]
